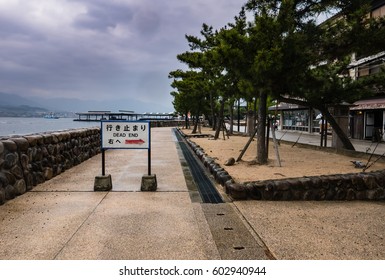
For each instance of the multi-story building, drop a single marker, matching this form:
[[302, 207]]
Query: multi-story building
[[367, 117]]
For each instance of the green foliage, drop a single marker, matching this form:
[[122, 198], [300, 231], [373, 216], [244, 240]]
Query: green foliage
[[276, 47], [191, 92]]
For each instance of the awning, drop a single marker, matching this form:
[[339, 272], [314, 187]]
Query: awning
[[369, 104], [286, 106], [367, 59]]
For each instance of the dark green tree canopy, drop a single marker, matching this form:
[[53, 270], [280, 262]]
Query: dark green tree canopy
[[276, 49]]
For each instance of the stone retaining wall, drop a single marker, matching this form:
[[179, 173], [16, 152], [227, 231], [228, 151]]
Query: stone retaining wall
[[167, 123], [354, 186], [30, 160]]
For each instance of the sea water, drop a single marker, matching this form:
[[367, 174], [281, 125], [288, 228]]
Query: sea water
[[25, 126]]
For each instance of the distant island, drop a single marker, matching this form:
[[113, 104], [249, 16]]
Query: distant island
[[29, 112], [22, 111]]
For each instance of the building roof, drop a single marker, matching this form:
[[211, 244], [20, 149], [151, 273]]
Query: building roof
[[367, 59], [286, 106], [369, 104]]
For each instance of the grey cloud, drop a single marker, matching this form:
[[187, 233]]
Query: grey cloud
[[147, 22], [13, 28], [102, 15], [115, 50], [9, 28]]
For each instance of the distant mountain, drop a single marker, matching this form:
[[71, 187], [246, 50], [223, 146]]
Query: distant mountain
[[21, 111], [65, 104], [13, 105], [7, 99], [73, 105], [77, 105]]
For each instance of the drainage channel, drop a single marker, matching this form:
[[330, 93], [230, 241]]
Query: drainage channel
[[233, 239], [206, 188]]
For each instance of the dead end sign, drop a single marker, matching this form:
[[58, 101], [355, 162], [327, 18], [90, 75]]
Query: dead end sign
[[125, 135]]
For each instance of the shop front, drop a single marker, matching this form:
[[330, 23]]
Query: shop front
[[295, 117], [368, 119]]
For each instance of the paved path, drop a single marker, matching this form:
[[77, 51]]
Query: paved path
[[65, 219], [314, 139], [324, 229]]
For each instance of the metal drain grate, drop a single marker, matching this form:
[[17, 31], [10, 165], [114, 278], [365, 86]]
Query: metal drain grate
[[207, 190]]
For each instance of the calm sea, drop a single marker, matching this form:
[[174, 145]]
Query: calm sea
[[23, 126]]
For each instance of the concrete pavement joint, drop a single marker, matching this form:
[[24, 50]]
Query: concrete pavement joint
[[233, 239], [255, 234], [61, 191], [80, 226]]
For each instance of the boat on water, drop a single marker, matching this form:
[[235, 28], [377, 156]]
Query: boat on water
[[51, 116]]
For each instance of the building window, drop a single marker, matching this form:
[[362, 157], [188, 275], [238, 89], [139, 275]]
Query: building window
[[296, 120], [363, 71], [379, 12]]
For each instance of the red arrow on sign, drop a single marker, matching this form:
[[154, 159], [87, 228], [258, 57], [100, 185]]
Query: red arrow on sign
[[135, 142]]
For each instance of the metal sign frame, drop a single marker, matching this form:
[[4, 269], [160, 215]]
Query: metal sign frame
[[125, 134], [120, 134]]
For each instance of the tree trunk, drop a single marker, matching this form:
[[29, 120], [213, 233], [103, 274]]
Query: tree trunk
[[187, 122], [250, 122], [239, 115], [220, 120], [231, 107], [337, 129], [212, 107], [255, 111], [261, 125], [196, 121], [267, 136]]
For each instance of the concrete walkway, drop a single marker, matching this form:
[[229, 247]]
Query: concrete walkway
[[314, 139], [331, 230], [65, 219]]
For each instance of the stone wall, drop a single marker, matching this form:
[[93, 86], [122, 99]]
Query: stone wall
[[354, 186], [167, 123], [31, 160]]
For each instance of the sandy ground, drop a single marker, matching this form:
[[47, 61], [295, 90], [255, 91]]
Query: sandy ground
[[295, 161], [303, 230]]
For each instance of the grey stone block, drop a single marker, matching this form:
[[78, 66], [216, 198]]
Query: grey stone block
[[103, 183], [149, 183]]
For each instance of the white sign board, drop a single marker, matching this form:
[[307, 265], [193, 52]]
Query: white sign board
[[125, 135]]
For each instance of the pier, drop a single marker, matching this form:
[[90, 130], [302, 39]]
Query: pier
[[95, 116]]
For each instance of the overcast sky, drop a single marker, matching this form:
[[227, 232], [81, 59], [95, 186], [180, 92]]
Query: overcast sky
[[101, 49]]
